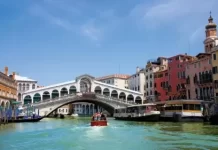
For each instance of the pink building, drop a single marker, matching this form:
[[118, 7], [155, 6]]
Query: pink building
[[199, 77], [199, 83]]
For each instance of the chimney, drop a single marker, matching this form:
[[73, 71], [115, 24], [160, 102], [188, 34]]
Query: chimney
[[186, 54], [137, 69], [13, 75], [6, 71]]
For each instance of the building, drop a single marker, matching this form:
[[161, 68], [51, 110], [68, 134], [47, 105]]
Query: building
[[119, 80], [86, 108], [161, 83], [24, 84], [199, 83], [152, 66], [177, 76], [8, 89], [200, 73], [136, 81], [65, 110]]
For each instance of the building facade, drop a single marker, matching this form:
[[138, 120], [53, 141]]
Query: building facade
[[161, 85], [119, 80], [136, 82], [201, 71], [177, 76], [86, 108], [199, 82], [24, 84], [8, 89], [151, 68]]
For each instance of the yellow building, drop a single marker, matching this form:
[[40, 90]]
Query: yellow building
[[8, 89]]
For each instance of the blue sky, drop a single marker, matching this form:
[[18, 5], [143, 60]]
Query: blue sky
[[56, 40]]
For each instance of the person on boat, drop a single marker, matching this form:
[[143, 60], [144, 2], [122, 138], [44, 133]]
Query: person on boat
[[94, 117], [98, 116], [103, 116]]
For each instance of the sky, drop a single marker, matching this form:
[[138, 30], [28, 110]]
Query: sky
[[54, 41]]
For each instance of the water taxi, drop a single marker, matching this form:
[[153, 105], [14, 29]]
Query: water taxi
[[98, 120], [182, 110], [144, 112]]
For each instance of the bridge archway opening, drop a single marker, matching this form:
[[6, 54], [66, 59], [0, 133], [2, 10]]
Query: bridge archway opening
[[96, 103], [54, 94], [64, 91], [36, 98], [98, 90], [91, 109], [122, 96], [114, 94], [87, 110], [7, 105], [130, 97], [138, 100], [106, 92], [46, 96], [27, 99], [72, 90], [85, 85]]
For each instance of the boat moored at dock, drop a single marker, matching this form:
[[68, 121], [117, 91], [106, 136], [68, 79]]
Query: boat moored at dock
[[182, 111], [145, 112]]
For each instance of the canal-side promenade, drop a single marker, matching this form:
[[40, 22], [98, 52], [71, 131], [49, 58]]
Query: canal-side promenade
[[76, 134]]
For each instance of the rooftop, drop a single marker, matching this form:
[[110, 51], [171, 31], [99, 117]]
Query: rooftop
[[20, 78], [120, 76]]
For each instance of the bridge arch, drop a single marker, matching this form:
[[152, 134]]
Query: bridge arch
[[64, 91], [138, 100], [130, 97], [72, 90], [54, 94], [122, 96], [101, 103], [98, 90], [114, 94], [36, 98], [106, 92], [85, 84], [46, 95], [2, 104], [27, 99]]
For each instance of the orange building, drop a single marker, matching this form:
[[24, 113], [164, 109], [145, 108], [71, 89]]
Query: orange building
[[8, 89]]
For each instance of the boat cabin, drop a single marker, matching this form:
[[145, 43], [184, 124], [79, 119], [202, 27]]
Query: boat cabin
[[186, 108]]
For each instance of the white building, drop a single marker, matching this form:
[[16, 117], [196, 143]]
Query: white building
[[150, 69], [119, 80], [136, 82], [86, 108], [24, 84]]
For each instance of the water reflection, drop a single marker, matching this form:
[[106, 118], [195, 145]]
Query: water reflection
[[77, 134]]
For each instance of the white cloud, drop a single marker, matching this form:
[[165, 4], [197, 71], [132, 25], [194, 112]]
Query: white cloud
[[41, 12], [92, 31]]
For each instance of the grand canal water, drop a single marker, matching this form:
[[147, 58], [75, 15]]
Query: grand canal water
[[76, 134]]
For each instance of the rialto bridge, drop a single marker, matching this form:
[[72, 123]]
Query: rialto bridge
[[54, 96]]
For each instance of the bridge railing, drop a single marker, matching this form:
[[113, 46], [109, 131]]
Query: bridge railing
[[48, 101], [115, 99], [58, 100]]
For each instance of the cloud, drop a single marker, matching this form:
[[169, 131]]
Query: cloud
[[39, 11], [92, 31]]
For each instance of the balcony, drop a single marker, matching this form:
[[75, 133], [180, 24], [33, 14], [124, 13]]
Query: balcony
[[205, 81]]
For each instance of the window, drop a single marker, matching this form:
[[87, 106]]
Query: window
[[214, 56], [214, 70]]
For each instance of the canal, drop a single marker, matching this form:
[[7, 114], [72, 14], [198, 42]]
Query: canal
[[76, 134]]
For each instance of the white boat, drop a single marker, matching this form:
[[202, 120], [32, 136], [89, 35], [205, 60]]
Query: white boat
[[74, 115], [182, 110], [144, 112]]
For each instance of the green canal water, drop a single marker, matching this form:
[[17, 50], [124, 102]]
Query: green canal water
[[76, 134]]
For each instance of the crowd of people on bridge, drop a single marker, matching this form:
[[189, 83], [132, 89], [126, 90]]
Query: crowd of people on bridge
[[98, 116]]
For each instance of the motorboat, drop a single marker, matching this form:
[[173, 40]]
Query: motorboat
[[99, 121]]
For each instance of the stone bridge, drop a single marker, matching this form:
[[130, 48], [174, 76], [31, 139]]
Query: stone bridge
[[106, 102]]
